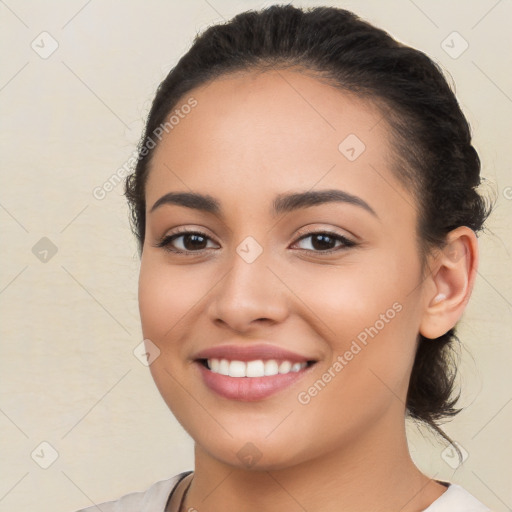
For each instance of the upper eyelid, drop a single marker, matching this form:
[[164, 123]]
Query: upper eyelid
[[300, 232], [188, 231], [312, 231]]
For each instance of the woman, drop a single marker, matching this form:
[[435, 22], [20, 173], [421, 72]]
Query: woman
[[306, 207]]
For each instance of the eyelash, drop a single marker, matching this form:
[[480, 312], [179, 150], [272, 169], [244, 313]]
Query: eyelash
[[166, 241]]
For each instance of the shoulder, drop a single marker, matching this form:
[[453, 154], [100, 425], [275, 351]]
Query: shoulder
[[457, 499], [152, 499]]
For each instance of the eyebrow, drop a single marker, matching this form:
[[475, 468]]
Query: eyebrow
[[283, 203]]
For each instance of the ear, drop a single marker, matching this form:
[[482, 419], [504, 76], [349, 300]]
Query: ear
[[449, 286]]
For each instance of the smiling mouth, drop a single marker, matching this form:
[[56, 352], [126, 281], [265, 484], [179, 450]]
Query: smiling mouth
[[255, 368]]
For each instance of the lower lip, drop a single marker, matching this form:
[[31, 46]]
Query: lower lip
[[249, 389]]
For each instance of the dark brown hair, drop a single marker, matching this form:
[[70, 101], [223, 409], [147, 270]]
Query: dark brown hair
[[434, 156]]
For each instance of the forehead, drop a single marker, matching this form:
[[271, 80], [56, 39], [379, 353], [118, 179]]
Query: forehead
[[261, 133], [275, 111]]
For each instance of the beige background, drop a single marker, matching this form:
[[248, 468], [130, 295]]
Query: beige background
[[70, 324]]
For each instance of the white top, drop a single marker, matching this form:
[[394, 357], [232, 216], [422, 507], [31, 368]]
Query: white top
[[154, 499]]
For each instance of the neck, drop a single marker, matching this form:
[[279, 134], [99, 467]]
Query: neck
[[376, 474]]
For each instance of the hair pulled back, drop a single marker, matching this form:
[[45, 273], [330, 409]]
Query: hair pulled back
[[434, 156]]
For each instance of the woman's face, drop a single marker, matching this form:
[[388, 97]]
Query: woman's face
[[264, 281]]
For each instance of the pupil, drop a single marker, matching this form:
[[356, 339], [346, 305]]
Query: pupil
[[195, 244], [325, 242]]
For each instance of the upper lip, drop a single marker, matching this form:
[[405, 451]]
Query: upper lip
[[250, 353]]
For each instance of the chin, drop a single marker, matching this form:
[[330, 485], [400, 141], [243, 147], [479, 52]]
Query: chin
[[259, 462], [258, 454]]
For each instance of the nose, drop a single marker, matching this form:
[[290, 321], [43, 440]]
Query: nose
[[248, 295]]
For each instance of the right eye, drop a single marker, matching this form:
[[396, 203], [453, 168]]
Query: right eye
[[191, 242]]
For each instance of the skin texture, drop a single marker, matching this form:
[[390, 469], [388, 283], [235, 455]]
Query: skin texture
[[251, 137]]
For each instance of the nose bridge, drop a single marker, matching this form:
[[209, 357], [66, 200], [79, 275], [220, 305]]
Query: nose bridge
[[249, 290]]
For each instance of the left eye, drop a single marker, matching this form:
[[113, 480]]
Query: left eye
[[323, 241], [194, 239]]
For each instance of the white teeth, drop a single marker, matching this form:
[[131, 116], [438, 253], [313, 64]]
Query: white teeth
[[223, 367], [237, 369], [271, 367], [256, 368], [296, 367], [285, 367]]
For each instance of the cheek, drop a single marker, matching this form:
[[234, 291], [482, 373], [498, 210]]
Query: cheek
[[364, 383], [165, 298], [166, 295], [370, 321], [365, 289]]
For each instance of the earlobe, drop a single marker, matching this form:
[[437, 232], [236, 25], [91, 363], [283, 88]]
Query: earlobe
[[452, 279]]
